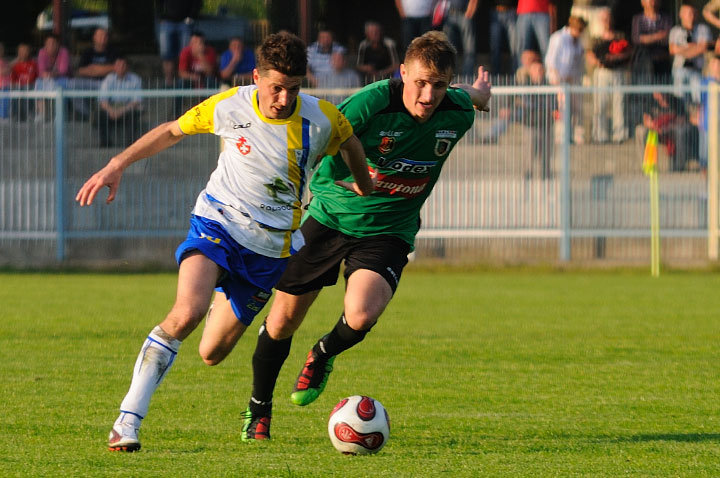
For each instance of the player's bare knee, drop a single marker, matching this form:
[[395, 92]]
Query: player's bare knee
[[361, 319], [211, 358], [185, 316], [212, 354], [281, 328]]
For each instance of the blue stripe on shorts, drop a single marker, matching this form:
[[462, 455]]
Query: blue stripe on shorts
[[249, 277]]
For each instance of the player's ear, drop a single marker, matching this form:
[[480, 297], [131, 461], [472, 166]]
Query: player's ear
[[403, 71], [255, 75]]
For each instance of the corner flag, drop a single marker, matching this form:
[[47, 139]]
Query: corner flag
[[650, 168], [651, 153]]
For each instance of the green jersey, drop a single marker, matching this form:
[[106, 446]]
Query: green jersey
[[407, 156]]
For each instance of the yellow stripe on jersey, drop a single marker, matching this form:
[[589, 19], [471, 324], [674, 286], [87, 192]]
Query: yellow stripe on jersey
[[294, 153], [200, 118], [341, 127]]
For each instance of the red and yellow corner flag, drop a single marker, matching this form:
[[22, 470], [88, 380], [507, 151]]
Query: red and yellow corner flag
[[651, 154], [650, 167]]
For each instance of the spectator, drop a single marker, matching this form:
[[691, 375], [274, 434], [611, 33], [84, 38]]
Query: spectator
[[688, 43], [340, 77], [377, 55], [669, 117], [118, 118], [177, 18], [415, 18], [97, 61], [237, 62], [527, 58], [535, 19], [53, 70], [198, 62], [24, 69], [53, 64], [650, 31], [319, 54], [460, 29], [610, 56], [503, 19], [4, 85], [565, 64], [537, 112], [23, 74]]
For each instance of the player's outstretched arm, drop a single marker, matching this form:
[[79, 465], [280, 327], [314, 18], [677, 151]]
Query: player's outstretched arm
[[479, 91], [353, 154], [157, 139]]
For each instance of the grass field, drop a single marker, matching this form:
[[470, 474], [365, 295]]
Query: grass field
[[509, 373]]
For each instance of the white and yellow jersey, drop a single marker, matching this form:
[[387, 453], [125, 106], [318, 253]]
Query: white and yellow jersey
[[256, 190]]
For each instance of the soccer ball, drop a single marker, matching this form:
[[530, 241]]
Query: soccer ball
[[359, 425]]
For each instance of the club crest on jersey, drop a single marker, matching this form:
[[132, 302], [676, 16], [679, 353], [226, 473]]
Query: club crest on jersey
[[243, 146], [442, 146], [387, 143]]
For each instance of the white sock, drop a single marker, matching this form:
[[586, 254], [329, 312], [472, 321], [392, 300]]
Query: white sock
[[153, 363]]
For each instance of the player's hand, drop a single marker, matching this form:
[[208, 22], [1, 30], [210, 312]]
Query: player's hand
[[108, 176], [353, 187], [482, 85]]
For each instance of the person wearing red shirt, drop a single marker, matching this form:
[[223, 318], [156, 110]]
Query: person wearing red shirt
[[198, 62], [24, 70], [534, 24]]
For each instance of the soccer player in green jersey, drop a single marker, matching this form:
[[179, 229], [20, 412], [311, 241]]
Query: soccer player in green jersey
[[408, 128]]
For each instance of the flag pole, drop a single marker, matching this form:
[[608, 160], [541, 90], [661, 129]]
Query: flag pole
[[654, 224]]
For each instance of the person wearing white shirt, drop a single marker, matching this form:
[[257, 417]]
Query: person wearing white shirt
[[415, 18], [688, 43], [119, 113], [565, 64], [319, 55]]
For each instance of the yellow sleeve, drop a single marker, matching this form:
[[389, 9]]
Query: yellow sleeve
[[341, 127], [200, 118]]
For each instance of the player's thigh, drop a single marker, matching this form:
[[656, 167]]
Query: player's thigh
[[196, 281], [366, 296], [222, 331], [287, 313], [372, 270]]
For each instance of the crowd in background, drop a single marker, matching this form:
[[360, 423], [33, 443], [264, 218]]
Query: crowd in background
[[524, 44]]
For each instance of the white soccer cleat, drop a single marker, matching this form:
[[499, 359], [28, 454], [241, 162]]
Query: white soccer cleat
[[123, 437]]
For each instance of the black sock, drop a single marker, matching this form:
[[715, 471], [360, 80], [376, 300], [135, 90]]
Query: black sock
[[267, 361], [340, 338]]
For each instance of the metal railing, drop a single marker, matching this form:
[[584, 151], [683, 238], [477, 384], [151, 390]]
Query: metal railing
[[528, 182]]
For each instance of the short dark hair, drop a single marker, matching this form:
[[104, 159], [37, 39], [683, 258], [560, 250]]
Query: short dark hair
[[434, 50], [282, 52]]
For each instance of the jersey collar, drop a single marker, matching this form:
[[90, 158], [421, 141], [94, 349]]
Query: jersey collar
[[293, 116]]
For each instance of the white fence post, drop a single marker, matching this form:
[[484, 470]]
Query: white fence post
[[712, 171], [60, 173], [565, 252]]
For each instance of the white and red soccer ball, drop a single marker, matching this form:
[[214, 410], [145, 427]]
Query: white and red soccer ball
[[359, 425]]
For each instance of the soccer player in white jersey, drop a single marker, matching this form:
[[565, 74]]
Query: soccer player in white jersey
[[245, 224]]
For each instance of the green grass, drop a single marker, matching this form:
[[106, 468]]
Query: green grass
[[510, 373]]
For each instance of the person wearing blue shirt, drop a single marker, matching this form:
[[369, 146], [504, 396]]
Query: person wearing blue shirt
[[119, 114], [237, 62]]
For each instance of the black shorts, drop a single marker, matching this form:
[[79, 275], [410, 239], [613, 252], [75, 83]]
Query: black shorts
[[317, 264]]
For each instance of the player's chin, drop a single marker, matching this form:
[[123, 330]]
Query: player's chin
[[424, 112]]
